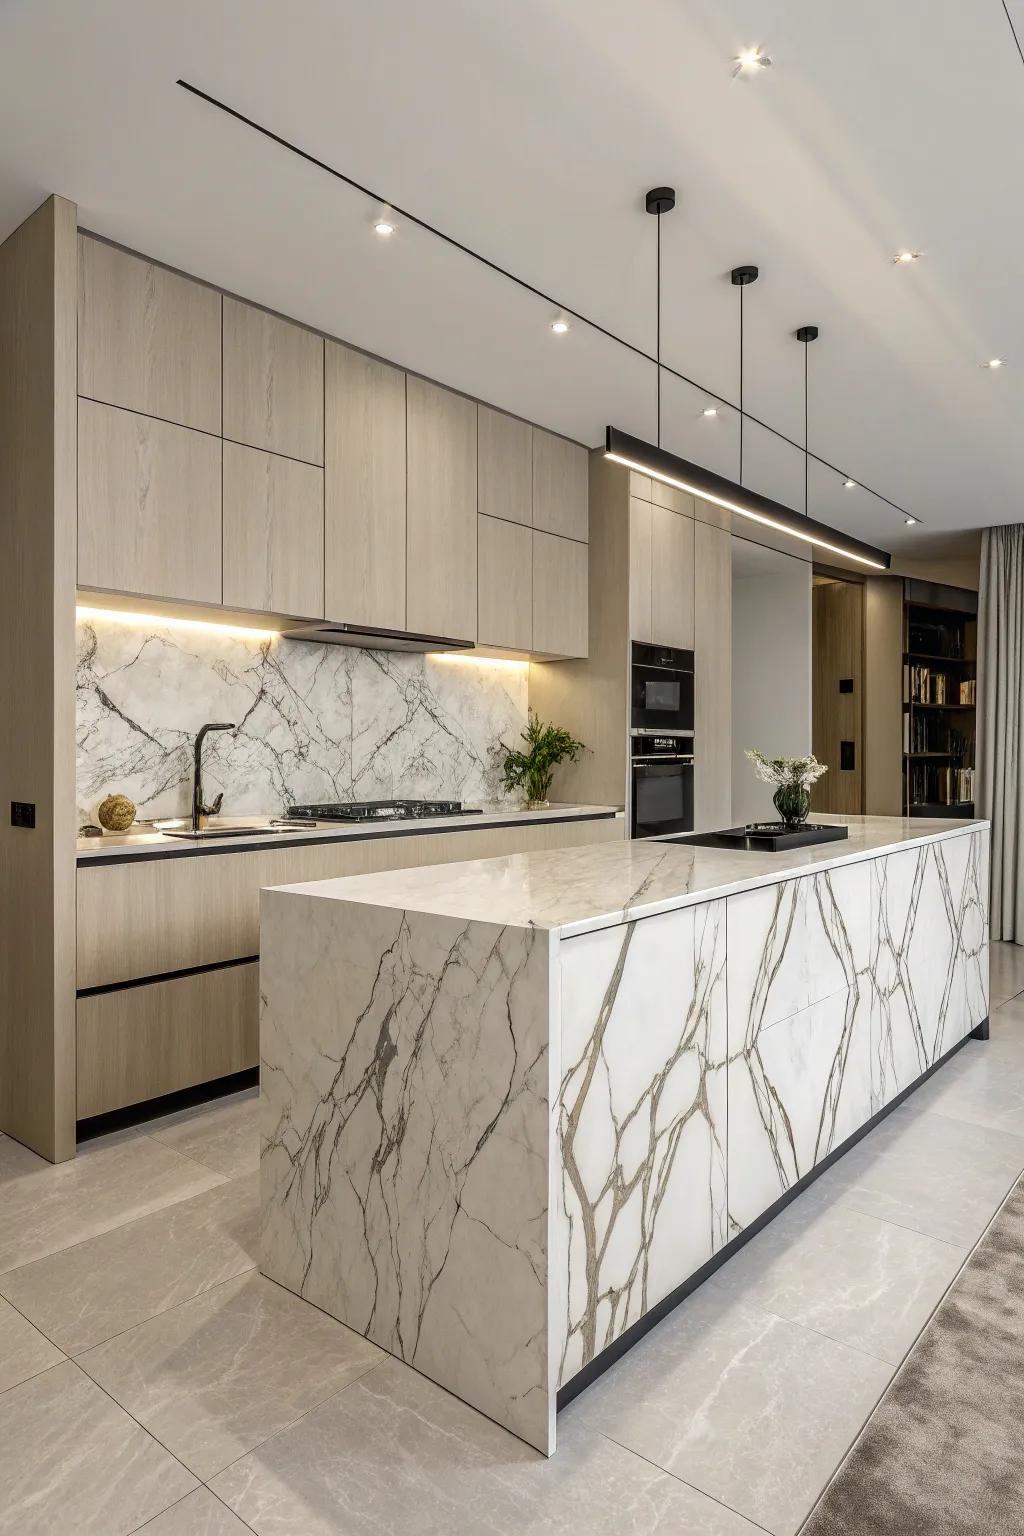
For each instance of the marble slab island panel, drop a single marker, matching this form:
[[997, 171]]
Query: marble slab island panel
[[512, 1106]]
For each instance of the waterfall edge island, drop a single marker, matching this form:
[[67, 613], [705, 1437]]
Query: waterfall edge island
[[512, 1108]]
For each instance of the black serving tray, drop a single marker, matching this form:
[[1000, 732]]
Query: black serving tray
[[770, 836], [774, 837]]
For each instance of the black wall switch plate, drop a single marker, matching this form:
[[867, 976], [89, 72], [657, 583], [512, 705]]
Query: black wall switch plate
[[846, 685], [847, 758], [23, 813]]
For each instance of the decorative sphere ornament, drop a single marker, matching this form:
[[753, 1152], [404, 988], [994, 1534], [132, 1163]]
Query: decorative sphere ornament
[[116, 813]]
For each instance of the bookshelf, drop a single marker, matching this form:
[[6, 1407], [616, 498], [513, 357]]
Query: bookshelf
[[940, 672]]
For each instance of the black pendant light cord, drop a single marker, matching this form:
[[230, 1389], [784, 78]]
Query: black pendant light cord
[[742, 286], [658, 327], [807, 462]]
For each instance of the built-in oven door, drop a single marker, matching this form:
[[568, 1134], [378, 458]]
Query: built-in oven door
[[662, 796], [662, 690]]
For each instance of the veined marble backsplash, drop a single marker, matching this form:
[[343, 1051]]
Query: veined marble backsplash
[[315, 722]]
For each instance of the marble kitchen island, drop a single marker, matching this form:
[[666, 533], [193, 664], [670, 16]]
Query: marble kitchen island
[[513, 1109]]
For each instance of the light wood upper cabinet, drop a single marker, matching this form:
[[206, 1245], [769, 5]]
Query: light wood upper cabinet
[[505, 584], [671, 496], [560, 486], [671, 578], [148, 339], [364, 490], [442, 516], [273, 533], [273, 383], [149, 506], [640, 589], [560, 597], [712, 678], [505, 467]]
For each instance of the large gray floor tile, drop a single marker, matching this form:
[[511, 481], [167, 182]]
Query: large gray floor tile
[[925, 1171], [215, 1376], [46, 1206], [861, 1281], [223, 1134], [394, 1454], [984, 1085], [72, 1464], [86, 1294], [198, 1514], [753, 1409], [24, 1352], [1007, 972]]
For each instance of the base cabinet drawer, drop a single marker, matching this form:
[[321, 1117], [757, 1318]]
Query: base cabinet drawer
[[141, 1042]]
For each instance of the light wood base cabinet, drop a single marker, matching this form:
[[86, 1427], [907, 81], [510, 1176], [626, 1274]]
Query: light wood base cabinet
[[141, 1042]]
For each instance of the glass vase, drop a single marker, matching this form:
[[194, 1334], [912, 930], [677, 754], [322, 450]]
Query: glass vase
[[792, 802]]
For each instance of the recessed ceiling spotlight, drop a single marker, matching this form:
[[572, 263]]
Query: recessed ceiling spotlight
[[750, 61], [384, 227], [994, 362], [710, 410], [911, 522], [904, 258], [850, 485], [560, 327]]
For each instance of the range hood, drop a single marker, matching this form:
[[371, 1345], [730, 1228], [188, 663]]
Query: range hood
[[369, 639]]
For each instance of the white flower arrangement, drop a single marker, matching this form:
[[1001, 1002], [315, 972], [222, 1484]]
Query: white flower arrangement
[[798, 772]]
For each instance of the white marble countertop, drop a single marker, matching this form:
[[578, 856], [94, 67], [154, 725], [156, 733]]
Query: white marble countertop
[[576, 890], [151, 843]]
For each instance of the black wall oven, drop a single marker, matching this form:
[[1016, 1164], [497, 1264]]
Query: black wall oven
[[661, 689], [662, 785]]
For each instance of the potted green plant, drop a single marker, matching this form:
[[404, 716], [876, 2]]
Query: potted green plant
[[794, 777], [531, 770]]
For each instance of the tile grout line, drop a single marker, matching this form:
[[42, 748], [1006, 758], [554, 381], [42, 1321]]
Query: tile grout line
[[684, 1482]]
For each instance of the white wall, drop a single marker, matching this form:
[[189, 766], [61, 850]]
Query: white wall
[[771, 668]]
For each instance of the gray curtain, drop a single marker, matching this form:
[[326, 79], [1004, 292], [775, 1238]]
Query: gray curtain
[[1001, 721]]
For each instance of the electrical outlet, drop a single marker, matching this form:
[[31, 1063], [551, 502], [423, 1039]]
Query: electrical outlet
[[23, 813]]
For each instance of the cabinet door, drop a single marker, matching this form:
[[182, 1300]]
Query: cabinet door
[[148, 339], [560, 572], [441, 512], [671, 578], [505, 584], [273, 383], [640, 593], [364, 490], [712, 680], [273, 533], [505, 446], [560, 486], [149, 506]]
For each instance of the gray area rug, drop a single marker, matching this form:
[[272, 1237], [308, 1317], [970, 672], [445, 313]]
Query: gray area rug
[[943, 1453]]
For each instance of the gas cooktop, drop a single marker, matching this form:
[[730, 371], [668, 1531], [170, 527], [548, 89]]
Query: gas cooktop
[[382, 810]]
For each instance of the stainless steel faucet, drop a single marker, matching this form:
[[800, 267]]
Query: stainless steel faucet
[[199, 810]]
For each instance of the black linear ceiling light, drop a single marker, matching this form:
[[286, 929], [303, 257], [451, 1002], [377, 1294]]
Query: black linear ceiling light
[[651, 459]]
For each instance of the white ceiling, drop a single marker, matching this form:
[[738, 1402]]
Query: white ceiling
[[529, 131]]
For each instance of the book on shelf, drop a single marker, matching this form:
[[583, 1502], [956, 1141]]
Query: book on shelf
[[937, 784], [968, 690]]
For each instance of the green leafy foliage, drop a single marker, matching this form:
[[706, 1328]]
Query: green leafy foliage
[[531, 770]]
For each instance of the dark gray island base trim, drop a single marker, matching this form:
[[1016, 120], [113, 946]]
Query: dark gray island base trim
[[625, 1342], [418, 827]]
